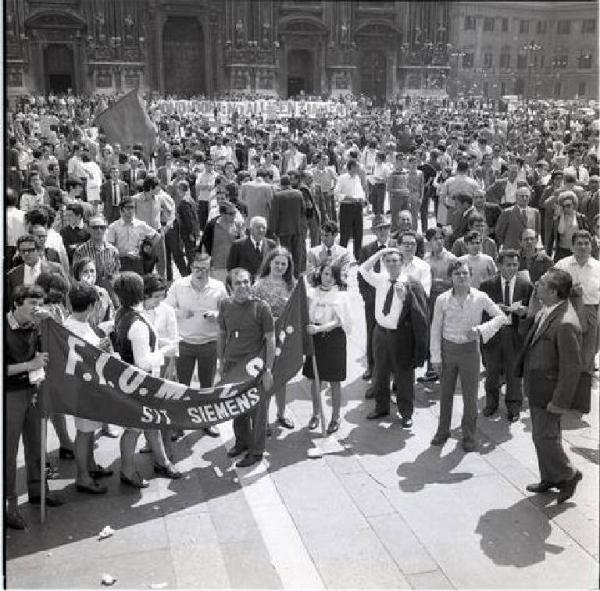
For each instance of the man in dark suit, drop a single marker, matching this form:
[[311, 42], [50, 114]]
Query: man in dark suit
[[30, 250], [288, 222], [381, 227], [551, 363], [249, 252], [166, 173], [511, 292], [514, 220], [589, 206], [111, 194], [534, 262]]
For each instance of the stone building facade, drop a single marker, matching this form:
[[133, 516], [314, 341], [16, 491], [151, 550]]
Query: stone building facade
[[287, 47], [529, 49], [213, 47]]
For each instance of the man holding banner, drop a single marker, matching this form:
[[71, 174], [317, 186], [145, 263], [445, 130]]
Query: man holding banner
[[245, 327]]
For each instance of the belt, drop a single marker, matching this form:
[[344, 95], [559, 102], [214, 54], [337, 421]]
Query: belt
[[384, 329]]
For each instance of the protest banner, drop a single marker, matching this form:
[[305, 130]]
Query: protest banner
[[82, 380]]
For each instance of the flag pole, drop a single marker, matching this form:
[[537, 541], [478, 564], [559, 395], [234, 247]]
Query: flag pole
[[43, 428], [327, 444]]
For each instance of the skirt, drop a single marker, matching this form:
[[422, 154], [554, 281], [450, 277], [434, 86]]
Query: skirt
[[330, 352]]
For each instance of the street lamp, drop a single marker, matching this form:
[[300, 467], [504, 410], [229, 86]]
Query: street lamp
[[530, 48]]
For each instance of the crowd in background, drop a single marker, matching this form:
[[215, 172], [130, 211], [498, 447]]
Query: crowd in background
[[148, 246]]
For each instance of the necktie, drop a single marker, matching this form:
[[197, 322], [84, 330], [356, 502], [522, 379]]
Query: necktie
[[507, 293], [328, 252], [387, 305], [257, 248], [115, 194]]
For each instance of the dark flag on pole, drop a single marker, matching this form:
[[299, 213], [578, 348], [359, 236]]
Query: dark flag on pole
[[126, 122], [291, 338]]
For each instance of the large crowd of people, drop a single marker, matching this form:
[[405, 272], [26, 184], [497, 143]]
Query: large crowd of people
[[485, 235]]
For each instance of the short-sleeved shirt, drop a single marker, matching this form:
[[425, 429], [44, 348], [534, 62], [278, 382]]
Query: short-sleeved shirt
[[20, 345], [245, 326], [128, 237]]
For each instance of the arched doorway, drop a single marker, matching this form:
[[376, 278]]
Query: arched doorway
[[373, 74], [300, 71], [59, 68], [183, 56]]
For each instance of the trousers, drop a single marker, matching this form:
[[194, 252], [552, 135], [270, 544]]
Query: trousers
[[296, 244], [499, 358], [546, 433], [459, 359], [22, 417], [206, 357], [386, 354], [377, 197], [351, 226]]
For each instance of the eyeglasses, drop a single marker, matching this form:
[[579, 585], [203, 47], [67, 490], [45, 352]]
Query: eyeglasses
[[98, 227], [413, 244], [27, 250], [567, 205], [200, 268]]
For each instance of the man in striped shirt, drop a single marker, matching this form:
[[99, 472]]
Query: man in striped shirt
[[105, 255]]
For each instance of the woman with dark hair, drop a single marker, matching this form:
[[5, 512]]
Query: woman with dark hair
[[330, 319], [84, 271], [566, 221], [137, 343], [274, 285]]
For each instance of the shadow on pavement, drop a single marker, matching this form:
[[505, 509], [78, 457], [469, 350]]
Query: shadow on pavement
[[430, 467], [589, 453], [84, 516], [516, 536]]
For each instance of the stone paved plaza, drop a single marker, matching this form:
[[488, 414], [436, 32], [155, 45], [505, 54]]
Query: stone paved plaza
[[387, 511]]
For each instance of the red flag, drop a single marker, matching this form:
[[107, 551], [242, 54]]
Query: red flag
[[127, 123], [291, 339]]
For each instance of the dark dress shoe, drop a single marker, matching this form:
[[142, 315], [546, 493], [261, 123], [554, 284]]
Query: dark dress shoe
[[167, 472], [51, 500], [333, 426], [269, 431], [136, 482], [370, 394], [285, 422], [488, 412], [439, 439], [407, 422], [540, 487], [100, 472], [249, 460], [91, 489], [313, 422], [368, 374], [14, 520], [177, 434], [567, 488], [428, 377], [513, 417], [65, 453], [211, 431], [236, 450], [377, 414]]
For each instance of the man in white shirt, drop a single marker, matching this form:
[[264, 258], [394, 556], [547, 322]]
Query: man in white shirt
[[196, 299], [585, 273], [412, 266], [15, 224], [205, 183], [390, 296], [350, 195]]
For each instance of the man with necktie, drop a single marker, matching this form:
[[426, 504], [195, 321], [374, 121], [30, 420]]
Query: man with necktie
[[511, 292], [400, 333], [551, 364], [111, 194], [329, 251], [381, 227]]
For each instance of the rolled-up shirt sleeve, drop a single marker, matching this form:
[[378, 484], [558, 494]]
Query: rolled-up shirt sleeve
[[143, 357], [499, 319], [435, 339]]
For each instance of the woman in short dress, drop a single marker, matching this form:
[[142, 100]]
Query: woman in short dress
[[274, 285], [330, 320]]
